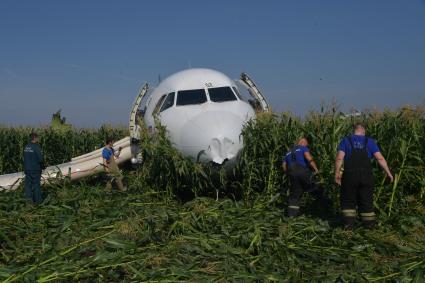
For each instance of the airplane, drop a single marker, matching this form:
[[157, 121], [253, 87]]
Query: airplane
[[202, 110]]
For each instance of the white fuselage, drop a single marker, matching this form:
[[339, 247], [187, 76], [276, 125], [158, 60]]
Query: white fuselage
[[202, 112]]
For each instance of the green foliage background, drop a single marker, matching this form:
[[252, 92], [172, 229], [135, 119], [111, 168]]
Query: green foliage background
[[58, 145]]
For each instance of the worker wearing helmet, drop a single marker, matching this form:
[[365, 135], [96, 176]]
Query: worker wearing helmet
[[111, 168], [33, 165], [355, 151], [297, 164]]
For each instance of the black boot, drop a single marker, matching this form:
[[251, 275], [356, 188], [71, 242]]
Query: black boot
[[369, 224], [293, 211], [368, 219], [348, 222], [349, 217]]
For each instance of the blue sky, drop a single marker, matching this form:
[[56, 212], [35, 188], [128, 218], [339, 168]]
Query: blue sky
[[89, 58]]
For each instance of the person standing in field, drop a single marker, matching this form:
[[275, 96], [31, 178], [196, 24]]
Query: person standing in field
[[33, 165], [297, 164], [111, 168], [356, 151]]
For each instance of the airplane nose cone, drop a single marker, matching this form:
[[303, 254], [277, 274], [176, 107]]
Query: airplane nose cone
[[213, 136]]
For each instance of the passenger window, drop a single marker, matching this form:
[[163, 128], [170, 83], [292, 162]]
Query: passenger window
[[221, 94], [169, 102], [190, 97], [158, 105]]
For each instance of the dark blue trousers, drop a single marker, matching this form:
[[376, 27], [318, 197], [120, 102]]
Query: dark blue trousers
[[32, 187]]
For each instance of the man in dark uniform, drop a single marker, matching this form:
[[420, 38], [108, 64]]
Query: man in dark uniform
[[296, 164], [356, 183], [33, 165]]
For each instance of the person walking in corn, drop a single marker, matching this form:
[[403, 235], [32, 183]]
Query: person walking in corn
[[110, 165], [33, 165], [296, 164], [355, 152]]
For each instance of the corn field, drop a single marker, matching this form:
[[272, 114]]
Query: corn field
[[58, 145], [183, 221]]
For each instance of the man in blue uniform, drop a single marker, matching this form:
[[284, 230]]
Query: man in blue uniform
[[111, 167], [33, 165], [297, 163], [356, 183]]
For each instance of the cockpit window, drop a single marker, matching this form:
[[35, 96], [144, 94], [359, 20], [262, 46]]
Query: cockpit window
[[189, 97], [169, 102], [238, 94], [158, 105], [221, 94]]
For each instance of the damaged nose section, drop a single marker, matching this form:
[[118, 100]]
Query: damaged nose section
[[222, 149], [217, 137]]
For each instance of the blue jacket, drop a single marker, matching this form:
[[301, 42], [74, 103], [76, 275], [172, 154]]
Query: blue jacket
[[33, 158], [299, 156], [358, 143]]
